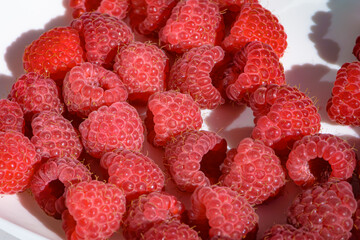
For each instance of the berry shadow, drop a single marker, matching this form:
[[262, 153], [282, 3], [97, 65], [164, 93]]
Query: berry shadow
[[6, 83]]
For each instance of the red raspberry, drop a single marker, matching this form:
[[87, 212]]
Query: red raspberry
[[54, 136], [171, 113], [191, 74], [116, 8], [305, 163], [344, 105], [194, 159], [112, 127], [356, 217], [150, 210], [142, 67], [88, 87], [174, 230], [35, 93], [326, 209], [254, 171], [356, 49], [103, 35], [11, 116], [54, 53], [256, 23], [192, 23], [95, 210], [133, 172], [51, 180], [228, 214], [18, 159], [289, 232], [233, 5]]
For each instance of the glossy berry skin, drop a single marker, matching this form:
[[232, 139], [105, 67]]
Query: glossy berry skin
[[191, 74], [115, 8], [89, 86], [54, 53], [11, 116], [344, 104], [289, 232], [18, 160], [174, 230]]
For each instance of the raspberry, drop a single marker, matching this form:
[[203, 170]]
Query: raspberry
[[54, 53], [150, 210], [326, 208], [11, 116], [289, 232], [194, 159], [95, 210], [103, 35], [356, 49], [35, 93], [54, 136], [253, 65], [18, 160], [228, 214], [191, 74], [88, 87], [192, 23], [133, 172], [344, 105], [171, 113], [233, 5], [112, 127], [51, 180], [254, 171], [174, 230], [356, 217], [256, 23], [142, 67], [116, 8]]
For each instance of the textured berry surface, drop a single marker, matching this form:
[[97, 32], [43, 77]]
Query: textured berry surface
[[233, 5], [289, 232], [173, 230], [11, 116], [356, 217], [88, 87], [116, 8]]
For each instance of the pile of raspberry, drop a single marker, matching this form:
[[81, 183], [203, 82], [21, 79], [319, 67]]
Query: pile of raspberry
[[126, 74]]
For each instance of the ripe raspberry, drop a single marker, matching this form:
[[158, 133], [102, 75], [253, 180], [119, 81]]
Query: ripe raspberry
[[356, 217], [54, 53], [112, 127], [54, 136], [150, 210], [103, 35], [344, 105], [227, 214], [192, 23], [191, 74], [254, 171], [194, 159], [289, 232], [88, 87], [174, 230], [115, 8], [95, 210], [51, 180], [18, 159], [11, 116], [233, 5], [255, 23], [326, 209], [133, 172], [142, 67], [35, 93], [171, 113], [356, 49]]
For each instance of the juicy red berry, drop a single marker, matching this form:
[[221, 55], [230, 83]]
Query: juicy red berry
[[11, 116], [289, 232], [191, 74], [233, 5], [356, 218], [174, 230], [115, 8], [356, 49], [88, 87]]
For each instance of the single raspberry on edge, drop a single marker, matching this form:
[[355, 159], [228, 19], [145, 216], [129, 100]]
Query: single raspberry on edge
[[51, 180], [171, 230], [11, 116], [356, 218], [94, 210], [115, 8], [289, 232], [356, 49]]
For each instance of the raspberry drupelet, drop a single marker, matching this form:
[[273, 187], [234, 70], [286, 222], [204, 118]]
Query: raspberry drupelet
[[11, 116]]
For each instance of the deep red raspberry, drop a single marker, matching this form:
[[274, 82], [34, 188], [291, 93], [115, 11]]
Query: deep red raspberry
[[102, 35], [194, 159], [116, 8], [150, 210], [51, 180], [112, 127], [254, 171], [133, 172], [54, 136], [54, 53], [256, 23], [191, 74], [344, 105], [289, 232], [356, 217], [227, 214], [174, 230], [88, 87], [35, 93], [95, 210], [192, 23], [11, 116], [233, 5], [18, 159], [171, 113], [326, 209], [356, 49], [142, 67]]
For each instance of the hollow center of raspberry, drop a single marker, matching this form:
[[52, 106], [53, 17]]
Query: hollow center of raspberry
[[92, 5], [56, 188], [321, 169]]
